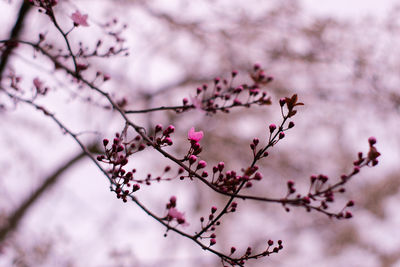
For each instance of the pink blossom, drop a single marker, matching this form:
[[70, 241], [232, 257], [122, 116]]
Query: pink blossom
[[38, 84], [195, 136], [173, 213], [79, 19]]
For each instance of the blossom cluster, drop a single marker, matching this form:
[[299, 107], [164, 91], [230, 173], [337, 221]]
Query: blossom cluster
[[221, 96]]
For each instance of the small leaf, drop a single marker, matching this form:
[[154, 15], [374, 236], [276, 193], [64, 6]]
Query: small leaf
[[292, 113]]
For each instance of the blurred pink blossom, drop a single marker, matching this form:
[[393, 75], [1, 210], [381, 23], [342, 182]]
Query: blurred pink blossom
[[37, 83], [79, 19], [173, 213]]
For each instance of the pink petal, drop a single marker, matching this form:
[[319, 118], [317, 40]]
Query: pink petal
[[195, 136], [79, 19], [174, 213]]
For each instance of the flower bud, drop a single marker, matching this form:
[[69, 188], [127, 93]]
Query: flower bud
[[348, 215], [135, 188], [202, 164], [158, 128], [221, 166], [192, 159], [372, 141]]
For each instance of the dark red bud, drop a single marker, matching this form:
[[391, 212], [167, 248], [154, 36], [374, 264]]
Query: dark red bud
[[272, 128], [372, 141], [213, 209]]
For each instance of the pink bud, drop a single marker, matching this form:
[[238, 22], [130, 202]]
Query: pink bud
[[258, 176], [256, 141], [237, 102], [213, 209], [192, 159], [172, 200], [168, 141], [356, 169], [171, 129], [135, 188], [348, 215], [158, 128], [195, 146], [202, 164], [221, 166]]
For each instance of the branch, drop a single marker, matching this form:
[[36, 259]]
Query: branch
[[18, 214], [15, 33]]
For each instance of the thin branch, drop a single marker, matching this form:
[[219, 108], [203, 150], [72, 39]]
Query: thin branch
[[14, 35]]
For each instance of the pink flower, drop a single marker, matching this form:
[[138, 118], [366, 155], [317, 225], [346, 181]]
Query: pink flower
[[195, 136], [79, 19], [173, 213]]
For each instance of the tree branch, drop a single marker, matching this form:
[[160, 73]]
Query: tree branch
[[15, 33]]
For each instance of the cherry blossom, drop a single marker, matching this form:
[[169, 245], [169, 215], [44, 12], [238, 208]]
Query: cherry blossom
[[173, 213], [195, 136], [79, 19]]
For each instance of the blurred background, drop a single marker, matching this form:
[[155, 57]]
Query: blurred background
[[341, 58]]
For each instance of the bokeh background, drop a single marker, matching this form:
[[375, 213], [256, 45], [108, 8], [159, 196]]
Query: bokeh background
[[342, 59]]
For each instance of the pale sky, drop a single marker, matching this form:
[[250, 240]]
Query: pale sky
[[350, 8]]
